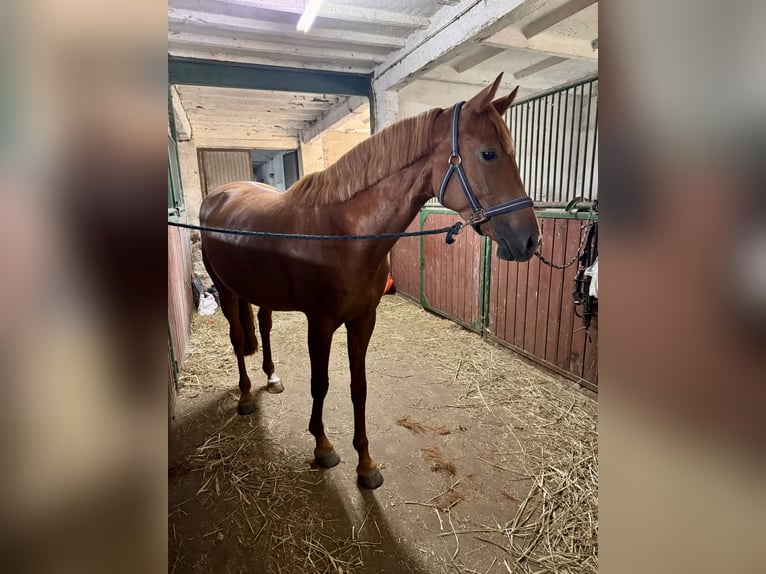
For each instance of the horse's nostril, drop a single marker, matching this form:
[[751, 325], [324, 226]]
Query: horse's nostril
[[533, 242]]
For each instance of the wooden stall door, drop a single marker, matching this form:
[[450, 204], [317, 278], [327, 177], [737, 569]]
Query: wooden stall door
[[405, 263], [532, 311], [452, 275], [180, 304], [220, 166]]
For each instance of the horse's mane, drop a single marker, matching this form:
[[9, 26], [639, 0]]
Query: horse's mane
[[394, 148]]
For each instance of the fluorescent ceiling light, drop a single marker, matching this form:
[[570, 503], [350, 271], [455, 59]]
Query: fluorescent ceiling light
[[309, 13]]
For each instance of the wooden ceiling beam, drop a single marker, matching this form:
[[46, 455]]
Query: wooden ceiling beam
[[476, 54], [549, 19], [215, 24], [263, 47], [546, 44], [185, 52], [543, 64], [332, 116], [331, 11], [260, 142]]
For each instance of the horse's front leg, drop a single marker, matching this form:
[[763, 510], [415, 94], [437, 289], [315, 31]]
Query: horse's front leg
[[320, 341], [359, 332]]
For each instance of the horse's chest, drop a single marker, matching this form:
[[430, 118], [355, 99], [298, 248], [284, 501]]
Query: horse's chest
[[344, 293]]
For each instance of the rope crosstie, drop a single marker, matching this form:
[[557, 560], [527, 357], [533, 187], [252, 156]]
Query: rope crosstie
[[450, 231]]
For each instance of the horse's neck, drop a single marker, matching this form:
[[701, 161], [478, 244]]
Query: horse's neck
[[390, 205]]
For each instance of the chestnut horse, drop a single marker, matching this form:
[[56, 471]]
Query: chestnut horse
[[379, 186]]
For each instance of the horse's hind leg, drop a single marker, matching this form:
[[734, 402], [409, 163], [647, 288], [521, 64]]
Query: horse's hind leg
[[242, 334], [320, 341], [274, 383], [359, 332]]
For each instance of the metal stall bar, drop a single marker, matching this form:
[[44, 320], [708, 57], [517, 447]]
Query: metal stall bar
[[553, 141]]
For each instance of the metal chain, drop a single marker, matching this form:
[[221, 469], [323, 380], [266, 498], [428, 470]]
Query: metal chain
[[575, 257]]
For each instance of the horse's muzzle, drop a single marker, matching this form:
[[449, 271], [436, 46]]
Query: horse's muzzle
[[520, 249]]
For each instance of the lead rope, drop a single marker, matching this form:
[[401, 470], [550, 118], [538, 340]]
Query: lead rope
[[451, 231]]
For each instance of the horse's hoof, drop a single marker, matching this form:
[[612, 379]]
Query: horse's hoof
[[274, 385], [327, 460], [371, 480], [246, 408]]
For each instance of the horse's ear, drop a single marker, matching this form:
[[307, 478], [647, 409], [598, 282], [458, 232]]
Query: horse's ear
[[484, 98], [502, 104]]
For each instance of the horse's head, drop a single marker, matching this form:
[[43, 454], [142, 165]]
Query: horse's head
[[487, 158]]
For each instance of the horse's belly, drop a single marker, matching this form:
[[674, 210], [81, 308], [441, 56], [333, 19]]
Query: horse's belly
[[259, 278], [294, 281]]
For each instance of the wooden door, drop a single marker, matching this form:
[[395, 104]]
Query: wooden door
[[220, 166]]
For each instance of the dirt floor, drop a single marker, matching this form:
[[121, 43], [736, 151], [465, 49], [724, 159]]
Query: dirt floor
[[490, 463]]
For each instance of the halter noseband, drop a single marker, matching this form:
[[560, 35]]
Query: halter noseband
[[478, 213]]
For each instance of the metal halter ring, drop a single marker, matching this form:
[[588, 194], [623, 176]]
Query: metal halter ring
[[455, 160], [477, 217]]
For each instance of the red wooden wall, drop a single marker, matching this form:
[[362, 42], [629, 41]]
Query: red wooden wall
[[531, 306], [405, 263], [179, 302], [452, 273]]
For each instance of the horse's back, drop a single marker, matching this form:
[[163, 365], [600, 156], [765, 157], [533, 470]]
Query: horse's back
[[233, 197]]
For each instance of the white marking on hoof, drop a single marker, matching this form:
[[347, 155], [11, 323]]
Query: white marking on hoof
[[275, 384]]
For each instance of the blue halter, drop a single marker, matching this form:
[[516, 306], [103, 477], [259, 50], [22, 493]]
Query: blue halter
[[479, 214]]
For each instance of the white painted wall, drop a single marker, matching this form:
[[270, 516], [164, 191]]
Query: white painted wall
[[325, 149], [187, 159], [312, 155], [272, 172]]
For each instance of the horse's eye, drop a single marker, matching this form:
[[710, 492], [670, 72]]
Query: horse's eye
[[488, 155]]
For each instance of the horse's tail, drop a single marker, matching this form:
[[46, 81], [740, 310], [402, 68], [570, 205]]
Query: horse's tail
[[247, 321]]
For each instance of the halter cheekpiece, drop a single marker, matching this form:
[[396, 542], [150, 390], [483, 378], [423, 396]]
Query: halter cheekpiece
[[455, 165]]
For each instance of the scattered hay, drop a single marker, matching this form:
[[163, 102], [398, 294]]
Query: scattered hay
[[420, 428], [443, 501], [231, 466], [261, 483], [550, 431], [446, 501], [209, 360], [555, 528], [311, 546], [433, 454]]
